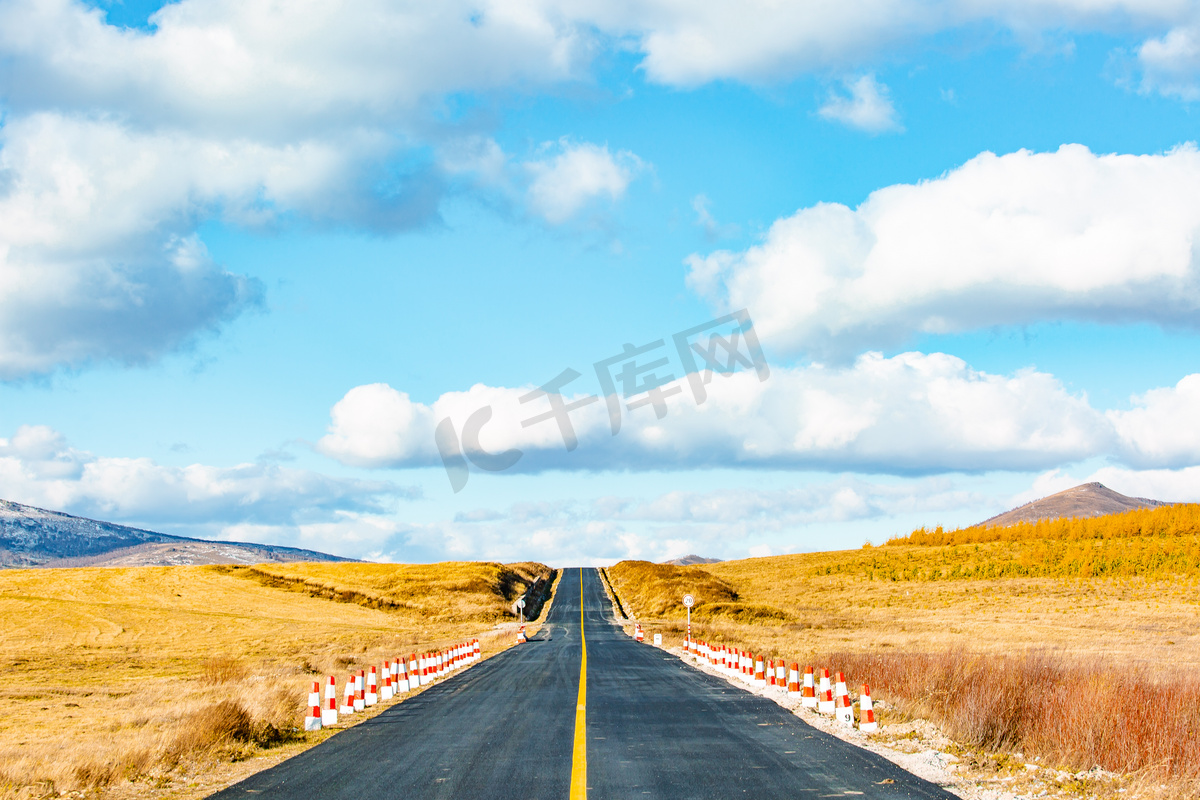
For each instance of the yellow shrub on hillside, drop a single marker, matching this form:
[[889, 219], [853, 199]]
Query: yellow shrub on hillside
[[1182, 519]]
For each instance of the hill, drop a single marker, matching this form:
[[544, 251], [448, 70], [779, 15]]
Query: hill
[[689, 560], [1085, 500], [35, 537]]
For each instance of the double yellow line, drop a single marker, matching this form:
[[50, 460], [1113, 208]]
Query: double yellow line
[[579, 755]]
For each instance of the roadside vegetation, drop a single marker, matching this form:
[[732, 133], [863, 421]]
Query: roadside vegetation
[[1014, 646], [175, 681]]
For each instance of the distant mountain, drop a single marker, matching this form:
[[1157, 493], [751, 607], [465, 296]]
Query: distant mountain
[[689, 560], [35, 537], [1086, 500]]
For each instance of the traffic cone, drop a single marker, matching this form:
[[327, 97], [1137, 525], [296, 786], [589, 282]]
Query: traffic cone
[[839, 685], [372, 694], [793, 684], [387, 692], [414, 672], [400, 682], [637, 633], [809, 698], [844, 710], [330, 713], [521, 635], [825, 686], [826, 704], [348, 701], [866, 712], [478, 654], [780, 673], [312, 721], [760, 679], [360, 691]]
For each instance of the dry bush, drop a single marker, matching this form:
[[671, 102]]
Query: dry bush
[[214, 726], [1073, 714]]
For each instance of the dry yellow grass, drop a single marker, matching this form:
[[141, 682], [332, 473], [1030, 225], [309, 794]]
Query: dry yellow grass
[[123, 682], [803, 604]]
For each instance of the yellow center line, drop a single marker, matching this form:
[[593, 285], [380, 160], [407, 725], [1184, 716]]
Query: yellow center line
[[579, 756]]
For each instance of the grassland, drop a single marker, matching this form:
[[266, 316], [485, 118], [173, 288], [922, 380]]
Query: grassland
[[1078, 669], [170, 681]]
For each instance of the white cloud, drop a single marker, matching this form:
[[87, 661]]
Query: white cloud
[[565, 182], [909, 413], [256, 112], [373, 423], [1163, 427], [38, 467], [1002, 240], [689, 44], [1169, 485], [868, 106], [1171, 63]]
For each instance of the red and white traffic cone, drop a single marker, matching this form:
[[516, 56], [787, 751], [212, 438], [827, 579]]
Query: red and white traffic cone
[[771, 672], [793, 681], [478, 653], [780, 673], [372, 695], [844, 710], [388, 690], [400, 684], [637, 633], [839, 685], [329, 712], [866, 712], [826, 704], [312, 721], [360, 691], [825, 685], [521, 635], [809, 698], [760, 678], [348, 700]]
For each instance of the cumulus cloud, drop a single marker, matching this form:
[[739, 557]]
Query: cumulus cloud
[[119, 143], [867, 107], [1001, 240], [38, 467], [580, 172], [910, 413], [1163, 427], [1171, 63], [760, 41]]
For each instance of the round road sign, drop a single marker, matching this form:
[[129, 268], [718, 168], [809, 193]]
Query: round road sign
[[521, 603], [689, 601]]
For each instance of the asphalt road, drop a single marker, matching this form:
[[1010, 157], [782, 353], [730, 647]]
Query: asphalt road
[[505, 728]]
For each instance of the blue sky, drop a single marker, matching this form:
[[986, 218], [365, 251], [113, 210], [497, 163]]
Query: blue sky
[[252, 256]]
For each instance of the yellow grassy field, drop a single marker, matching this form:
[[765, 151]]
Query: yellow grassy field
[[111, 676], [804, 604]]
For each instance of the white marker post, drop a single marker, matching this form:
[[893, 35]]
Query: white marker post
[[688, 602], [521, 608]]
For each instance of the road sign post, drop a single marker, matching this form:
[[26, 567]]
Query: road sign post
[[688, 602], [521, 608]]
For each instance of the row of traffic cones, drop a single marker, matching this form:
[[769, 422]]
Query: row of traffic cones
[[827, 698], [398, 676]]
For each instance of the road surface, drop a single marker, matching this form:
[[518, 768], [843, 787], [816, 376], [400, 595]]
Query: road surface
[[651, 727]]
